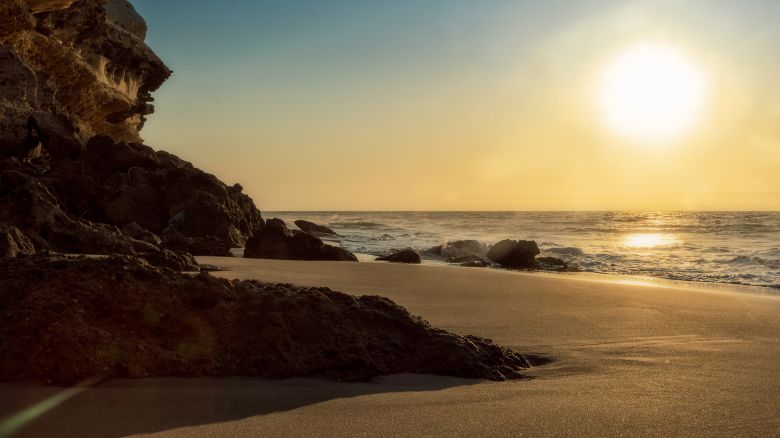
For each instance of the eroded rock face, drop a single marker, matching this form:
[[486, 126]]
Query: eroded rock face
[[84, 60], [70, 319], [276, 241], [13, 242]]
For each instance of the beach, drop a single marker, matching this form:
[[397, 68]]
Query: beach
[[627, 358]]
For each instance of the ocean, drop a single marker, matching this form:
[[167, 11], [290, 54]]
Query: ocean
[[721, 247]]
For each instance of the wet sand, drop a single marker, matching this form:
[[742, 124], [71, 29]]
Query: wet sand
[[630, 359]]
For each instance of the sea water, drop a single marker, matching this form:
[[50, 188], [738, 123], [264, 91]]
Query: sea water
[[723, 247]]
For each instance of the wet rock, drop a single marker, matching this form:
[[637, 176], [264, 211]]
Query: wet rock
[[517, 254], [13, 242], [555, 264], [459, 249], [150, 322], [409, 256], [314, 229], [276, 241]]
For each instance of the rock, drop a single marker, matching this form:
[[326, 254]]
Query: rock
[[137, 232], [518, 254], [31, 207], [314, 229], [210, 268], [460, 249], [85, 59], [404, 256], [68, 327], [13, 242], [175, 261], [555, 264], [199, 246], [276, 241]]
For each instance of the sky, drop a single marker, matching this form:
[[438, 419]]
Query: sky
[[463, 105]]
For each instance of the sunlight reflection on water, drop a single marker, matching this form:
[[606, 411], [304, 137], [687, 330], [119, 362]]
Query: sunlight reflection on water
[[649, 240]]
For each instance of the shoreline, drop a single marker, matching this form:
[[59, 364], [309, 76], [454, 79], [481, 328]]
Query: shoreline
[[659, 361], [605, 277]]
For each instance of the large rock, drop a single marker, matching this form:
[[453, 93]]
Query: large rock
[[408, 255], [83, 61], [120, 317], [314, 229], [276, 241], [13, 242], [456, 251], [517, 254], [30, 206]]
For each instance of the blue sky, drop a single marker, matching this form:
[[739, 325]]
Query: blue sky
[[357, 88]]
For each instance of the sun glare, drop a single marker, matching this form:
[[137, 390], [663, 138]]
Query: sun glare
[[649, 240], [652, 93]]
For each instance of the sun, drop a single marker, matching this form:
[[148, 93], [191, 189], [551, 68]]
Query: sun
[[652, 93]]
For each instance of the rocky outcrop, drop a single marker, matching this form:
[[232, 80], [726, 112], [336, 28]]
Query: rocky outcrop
[[515, 254], [276, 241], [408, 256], [85, 61], [175, 261], [314, 229], [75, 85], [66, 320], [13, 242]]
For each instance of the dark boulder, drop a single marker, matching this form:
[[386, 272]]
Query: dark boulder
[[276, 241], [31, 207], [65, 328], [199, 246], [517, 254], [408, 255], [314, 229]]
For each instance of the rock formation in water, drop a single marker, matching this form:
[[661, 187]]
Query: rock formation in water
[[66, 320], [516, 254]]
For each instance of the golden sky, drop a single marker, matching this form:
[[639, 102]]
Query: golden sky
[[459, 107]]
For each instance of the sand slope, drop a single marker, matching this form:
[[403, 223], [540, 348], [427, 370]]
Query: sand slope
[[630, 360]]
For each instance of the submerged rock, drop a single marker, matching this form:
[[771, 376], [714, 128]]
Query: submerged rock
[[276, 241], [66, 320], [314, 229], [517, 254], [409, 256]]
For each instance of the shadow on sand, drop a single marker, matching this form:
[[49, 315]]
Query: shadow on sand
[[127, 407]]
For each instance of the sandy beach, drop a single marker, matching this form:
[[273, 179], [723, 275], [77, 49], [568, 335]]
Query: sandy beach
[[629, 359]]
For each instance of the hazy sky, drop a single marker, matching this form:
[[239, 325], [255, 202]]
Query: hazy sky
[[462, 105]]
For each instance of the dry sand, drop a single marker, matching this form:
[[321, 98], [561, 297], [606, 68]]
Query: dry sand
[[630, 360]]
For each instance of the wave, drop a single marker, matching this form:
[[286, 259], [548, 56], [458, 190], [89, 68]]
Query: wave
[[566, 250], [359, 224], [752, 260]]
